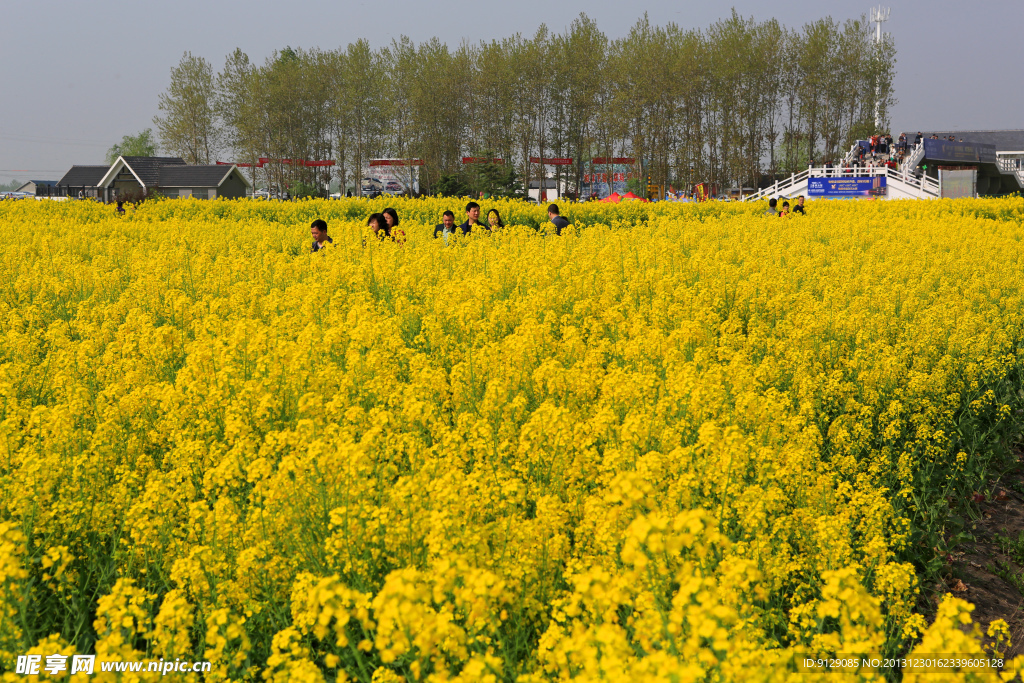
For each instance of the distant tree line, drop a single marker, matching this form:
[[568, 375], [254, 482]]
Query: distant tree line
[[728, 104]]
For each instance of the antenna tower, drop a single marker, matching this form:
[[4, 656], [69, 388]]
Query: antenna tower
[[879, 15]]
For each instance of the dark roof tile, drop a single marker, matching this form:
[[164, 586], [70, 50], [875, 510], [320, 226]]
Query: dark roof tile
[[148, 168], [192, 176], [83, 176]]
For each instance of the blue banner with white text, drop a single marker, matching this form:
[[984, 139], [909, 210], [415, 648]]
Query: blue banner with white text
[[847, 187]]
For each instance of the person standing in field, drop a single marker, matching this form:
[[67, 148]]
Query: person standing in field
[[472, 218], [391, 216], [557, 219], [772, 203], [379, 226], [383, 230], [318, 229], [445, 227], [799, 208], [494, 220]]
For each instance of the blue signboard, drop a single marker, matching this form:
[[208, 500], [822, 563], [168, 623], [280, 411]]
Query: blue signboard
[[847, 187], [962, 152]]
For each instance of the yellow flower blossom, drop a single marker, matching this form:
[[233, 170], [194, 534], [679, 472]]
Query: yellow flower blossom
[[680, 442]]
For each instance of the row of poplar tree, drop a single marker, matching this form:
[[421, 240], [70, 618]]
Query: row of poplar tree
[[730, 104]]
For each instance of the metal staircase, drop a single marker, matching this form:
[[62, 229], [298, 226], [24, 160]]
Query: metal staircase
[[903, 183], [852, 155], [910, 182], [1010, 166], [913, 157]]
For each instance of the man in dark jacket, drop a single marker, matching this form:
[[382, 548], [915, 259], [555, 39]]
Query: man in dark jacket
[[445, 227], [472, 219], [555, 218]]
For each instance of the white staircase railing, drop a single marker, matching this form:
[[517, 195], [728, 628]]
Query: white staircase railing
[[908, 174], [852, 155], [781, 185], [922, 182], [1012, 165], [914, 157]]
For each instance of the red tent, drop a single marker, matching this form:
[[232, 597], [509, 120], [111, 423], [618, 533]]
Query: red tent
[[613, 198], [630, 195]]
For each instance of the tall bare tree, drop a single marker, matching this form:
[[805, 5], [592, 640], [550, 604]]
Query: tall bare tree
[[578, 61], [188, 127], [729, 104], [363, 106], [239, 104]]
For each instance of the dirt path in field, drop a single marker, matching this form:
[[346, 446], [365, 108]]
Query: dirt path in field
[[989, 571]]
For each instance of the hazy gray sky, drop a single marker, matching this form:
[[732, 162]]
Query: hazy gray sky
[[79, 75]]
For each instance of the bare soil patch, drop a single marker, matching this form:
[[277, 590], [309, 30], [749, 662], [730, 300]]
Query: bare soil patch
[[989, 570]]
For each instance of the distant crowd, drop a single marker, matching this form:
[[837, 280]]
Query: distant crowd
[[882, 150], [384, 225]]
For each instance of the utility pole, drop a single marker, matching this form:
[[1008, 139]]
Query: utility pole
[[879, 15]]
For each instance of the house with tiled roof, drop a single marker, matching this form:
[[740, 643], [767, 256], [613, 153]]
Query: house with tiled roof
[[82, 181], [40, 188], [204, 182], [171, 177]]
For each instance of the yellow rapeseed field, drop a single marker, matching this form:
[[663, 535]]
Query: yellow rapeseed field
[[678, 443]]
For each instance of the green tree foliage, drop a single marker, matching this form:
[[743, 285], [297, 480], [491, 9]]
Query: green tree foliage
[[726, 104], [490, 178], [188, 127], [452, 185], [140, 145]]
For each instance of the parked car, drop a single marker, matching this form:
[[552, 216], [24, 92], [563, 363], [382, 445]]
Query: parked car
[[371, 185], [393, 186]]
